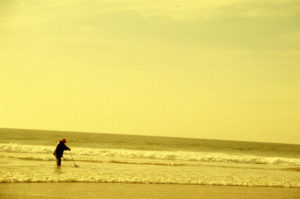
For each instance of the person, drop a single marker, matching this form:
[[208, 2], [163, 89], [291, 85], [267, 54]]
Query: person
[[59, 151]]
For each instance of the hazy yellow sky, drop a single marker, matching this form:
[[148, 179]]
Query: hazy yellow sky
[[218, 69]]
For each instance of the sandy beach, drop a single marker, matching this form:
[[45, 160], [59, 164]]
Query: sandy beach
[[141, 191]]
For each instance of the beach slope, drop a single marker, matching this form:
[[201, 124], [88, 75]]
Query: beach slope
[[141, 191]]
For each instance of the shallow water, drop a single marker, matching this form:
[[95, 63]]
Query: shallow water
[[27, 156]]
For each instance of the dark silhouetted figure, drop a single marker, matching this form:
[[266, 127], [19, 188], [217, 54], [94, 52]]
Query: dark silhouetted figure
[[59, 151]]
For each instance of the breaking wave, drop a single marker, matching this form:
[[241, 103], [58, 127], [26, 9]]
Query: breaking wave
[[31, 163], [44, 153], [147, 180]]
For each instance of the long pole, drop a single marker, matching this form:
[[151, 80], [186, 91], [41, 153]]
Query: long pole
[[73, 160]]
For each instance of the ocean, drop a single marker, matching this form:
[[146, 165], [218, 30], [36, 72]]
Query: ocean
[[27, 156]]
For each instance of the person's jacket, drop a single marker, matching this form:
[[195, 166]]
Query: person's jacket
[[60, 148]]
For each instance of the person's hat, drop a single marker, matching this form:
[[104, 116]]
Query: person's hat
[[64, 140]]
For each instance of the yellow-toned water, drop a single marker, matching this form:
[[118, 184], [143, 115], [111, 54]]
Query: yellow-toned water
[[27, 156]]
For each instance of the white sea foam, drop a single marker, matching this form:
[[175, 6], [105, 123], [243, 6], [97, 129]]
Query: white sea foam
[[104, 178], [93, 154], [18, 148], [35, 163]]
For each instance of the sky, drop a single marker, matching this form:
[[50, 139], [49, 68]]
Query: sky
[[218, 69]]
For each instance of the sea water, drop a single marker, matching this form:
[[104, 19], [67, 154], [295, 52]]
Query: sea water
[[27, 156]]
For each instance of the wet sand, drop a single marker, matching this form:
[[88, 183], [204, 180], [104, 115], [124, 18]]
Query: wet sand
[[139, 191]]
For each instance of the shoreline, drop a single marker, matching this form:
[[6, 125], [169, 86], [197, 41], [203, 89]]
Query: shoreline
[[141, 191], [138, 183]]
